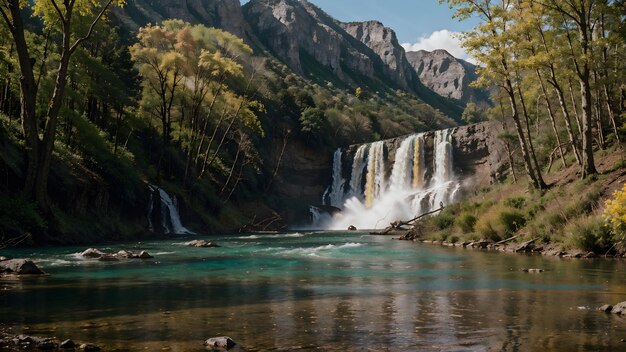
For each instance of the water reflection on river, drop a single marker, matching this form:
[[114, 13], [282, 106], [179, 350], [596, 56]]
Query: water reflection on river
[[321, 292]]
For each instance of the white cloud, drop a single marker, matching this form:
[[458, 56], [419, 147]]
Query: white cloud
[[443, 39]]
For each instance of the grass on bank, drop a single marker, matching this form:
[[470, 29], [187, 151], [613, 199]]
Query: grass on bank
[[571, 214]]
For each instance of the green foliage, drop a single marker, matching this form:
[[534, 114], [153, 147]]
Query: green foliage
[[313, 121], [589, 233], [18, 214], [515, 202], [511, 221], [466, 222], [443, 220], [473, 114]]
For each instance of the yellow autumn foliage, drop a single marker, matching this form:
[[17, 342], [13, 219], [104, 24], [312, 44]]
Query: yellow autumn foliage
[[615, 211]]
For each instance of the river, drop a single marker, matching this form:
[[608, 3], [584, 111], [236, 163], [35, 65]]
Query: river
[[318, 291]]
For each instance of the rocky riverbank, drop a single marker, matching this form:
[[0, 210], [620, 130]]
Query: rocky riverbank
[[532, 246]]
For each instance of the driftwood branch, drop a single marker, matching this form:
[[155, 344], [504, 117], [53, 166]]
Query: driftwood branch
[[398, 225]]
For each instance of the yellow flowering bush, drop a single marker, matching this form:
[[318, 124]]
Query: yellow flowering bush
[[615, 212]]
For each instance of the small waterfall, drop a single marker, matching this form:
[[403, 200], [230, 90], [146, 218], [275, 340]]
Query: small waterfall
[[406, 193], [337, 191], [418, 162], [170, 219], [358, 166], [402, 172], [375, 181], [443, 156]]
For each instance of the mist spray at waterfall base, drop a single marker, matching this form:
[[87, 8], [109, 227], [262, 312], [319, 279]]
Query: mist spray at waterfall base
[[402, 196]]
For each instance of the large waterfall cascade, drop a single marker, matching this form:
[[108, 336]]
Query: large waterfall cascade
[[375, 198], [170, 218]]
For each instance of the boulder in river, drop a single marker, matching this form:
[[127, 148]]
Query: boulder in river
[[619, 308], [92, 253], [67, 344], [201, 244], [133, 255], [607, 308], [533, 271], [88, 347], [224, 342], [19, 267]]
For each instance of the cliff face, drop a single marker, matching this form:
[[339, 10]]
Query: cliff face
[[310, 42], [383, 41], [478, 155], [224, 14], [293, 30], [447, 76]]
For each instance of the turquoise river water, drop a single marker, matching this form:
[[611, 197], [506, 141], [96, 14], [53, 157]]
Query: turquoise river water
[[318, 291]]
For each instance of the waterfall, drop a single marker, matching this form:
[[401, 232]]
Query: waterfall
[[403, 195], [418, 161], [403, 170], [358, 166], [443, 156], [336, 189], [170, 219], [375, 181]]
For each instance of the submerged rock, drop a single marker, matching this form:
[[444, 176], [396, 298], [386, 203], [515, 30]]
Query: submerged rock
[[108, 258], [133, 255], [20, 267], [201, 244], [88, 347], [220, 342], [535, 271]]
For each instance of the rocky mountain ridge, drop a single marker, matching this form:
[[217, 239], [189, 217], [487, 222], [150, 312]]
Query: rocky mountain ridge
[[305, 38], [447, 75]]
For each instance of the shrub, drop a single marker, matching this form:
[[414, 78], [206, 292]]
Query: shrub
[[511, 221], [19, 214], [590, 234], [615, 212], [487, 230], [466, 222], [444, 220], [515, 202]]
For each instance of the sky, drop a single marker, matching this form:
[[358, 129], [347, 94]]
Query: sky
[[419, 24]]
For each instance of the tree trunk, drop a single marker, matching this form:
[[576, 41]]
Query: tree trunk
[[531, 148], [551, 115], [28, 97], [520, 134], [589, 165]]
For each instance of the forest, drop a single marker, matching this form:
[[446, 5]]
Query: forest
[[92, 114]]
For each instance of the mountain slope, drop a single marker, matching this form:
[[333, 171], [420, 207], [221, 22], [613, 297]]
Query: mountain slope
[[315, 45], [447, 76], [224, 14]]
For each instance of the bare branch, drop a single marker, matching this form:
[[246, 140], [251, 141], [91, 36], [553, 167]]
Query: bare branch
[[7, 20], [91, 27], [58, 10]]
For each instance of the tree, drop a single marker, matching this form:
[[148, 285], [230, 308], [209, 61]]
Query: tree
[[472, 114], [74, 22], [313, 120], [491, 43]]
